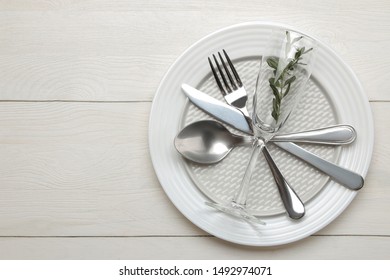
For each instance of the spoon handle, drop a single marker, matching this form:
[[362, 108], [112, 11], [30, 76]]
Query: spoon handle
[[332, 135], [291, 201]]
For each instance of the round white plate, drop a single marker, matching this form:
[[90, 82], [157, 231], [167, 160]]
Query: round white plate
[[244, 40]]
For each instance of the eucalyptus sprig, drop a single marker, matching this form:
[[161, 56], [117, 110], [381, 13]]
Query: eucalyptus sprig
[[282, 80]]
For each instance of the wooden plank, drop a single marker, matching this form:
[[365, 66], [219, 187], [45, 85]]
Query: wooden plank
[[314, 247], [102, 5], [120, 50], [70, 169], [85, 78], [177, 5], [83, 169]]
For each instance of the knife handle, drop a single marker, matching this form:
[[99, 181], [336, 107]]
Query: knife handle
[[345, 177]]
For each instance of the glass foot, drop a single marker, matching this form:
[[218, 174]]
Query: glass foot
[[236, 210]]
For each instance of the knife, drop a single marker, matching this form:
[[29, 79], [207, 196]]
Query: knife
[[236, 119], [217, 109]]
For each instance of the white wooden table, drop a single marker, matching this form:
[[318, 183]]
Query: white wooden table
[[77, 79]]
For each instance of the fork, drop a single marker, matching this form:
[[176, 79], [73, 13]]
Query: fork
[[235, 95]]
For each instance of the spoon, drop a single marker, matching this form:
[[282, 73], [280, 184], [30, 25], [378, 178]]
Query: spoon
[[209, 142]]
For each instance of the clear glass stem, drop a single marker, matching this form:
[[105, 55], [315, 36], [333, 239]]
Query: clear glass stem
[[241, 196]]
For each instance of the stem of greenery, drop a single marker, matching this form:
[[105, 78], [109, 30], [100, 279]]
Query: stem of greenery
[[281, 86]]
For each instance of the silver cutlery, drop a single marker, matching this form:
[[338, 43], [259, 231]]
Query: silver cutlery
[[209, 142], [217, 109], [345, 177], [236, 119], [341, 134], [235, 95]]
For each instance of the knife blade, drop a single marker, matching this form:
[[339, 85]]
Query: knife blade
[[217, 109], [236, 119]]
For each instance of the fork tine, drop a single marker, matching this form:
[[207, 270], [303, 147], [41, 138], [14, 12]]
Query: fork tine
[[233, 69], [222, 75], [227, 72], [216, 77]]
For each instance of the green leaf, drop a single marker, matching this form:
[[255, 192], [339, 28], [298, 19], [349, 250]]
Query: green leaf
[[275, 116], [289, 66], [298, 53], [308, 50], [290, 80], [275, 91], [287, 90], [276, 105], [285, 77], [273, 62], [272, 82]]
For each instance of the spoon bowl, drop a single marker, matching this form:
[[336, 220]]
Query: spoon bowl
[[206, 142]]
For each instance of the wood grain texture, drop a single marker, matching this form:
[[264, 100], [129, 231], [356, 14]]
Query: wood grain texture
[[83, 78], [193, 248], [83, 169], [120, 50], [76, 83], [72, 168]]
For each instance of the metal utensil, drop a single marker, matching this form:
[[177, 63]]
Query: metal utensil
[[236, 119], [235, 95], [345, 177], [332, 135], [208, 142], [217, 109]]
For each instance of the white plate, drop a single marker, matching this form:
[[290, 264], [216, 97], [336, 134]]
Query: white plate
[[191, 67]]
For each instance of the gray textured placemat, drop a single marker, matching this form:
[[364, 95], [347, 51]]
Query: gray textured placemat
[[220, 181]]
